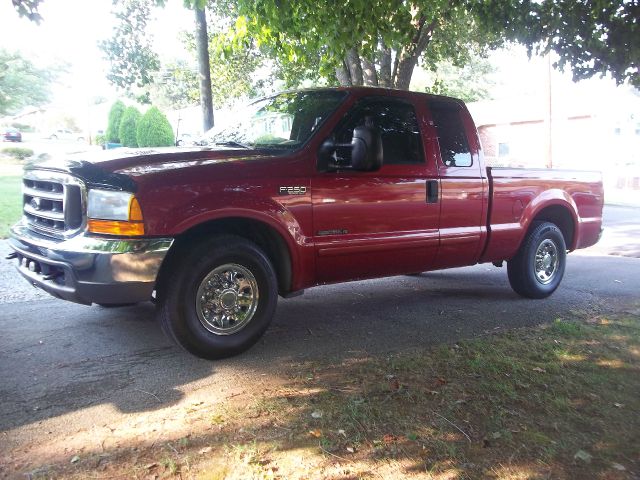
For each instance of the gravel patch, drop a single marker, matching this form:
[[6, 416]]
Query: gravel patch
[[14, 288]]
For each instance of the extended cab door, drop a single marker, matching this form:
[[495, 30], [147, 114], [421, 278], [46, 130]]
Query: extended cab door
[[369, 224], [463, 184]]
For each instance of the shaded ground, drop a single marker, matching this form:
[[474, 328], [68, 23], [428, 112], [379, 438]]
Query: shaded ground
[[557, 401]]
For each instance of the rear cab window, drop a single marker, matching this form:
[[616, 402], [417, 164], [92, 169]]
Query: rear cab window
[[452, 137]]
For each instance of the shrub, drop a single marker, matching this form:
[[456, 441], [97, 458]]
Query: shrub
[[154, 130], [129, 127], [113, 127], [19, 153], [100, 139]]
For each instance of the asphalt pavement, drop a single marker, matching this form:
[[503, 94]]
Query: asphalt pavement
[[67, 368]]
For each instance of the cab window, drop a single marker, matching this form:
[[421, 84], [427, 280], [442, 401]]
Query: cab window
[[452, 138], [395, 120]]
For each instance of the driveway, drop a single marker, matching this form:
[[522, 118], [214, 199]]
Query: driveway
[[73, 376]]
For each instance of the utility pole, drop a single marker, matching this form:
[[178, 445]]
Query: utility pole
[[204, 69]]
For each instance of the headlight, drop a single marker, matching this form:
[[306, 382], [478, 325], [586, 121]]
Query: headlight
[[114, 213]]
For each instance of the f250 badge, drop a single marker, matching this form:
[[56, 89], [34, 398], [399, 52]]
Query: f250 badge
[[293, 190]]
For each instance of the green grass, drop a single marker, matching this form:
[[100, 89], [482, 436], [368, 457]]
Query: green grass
[[10, 203]]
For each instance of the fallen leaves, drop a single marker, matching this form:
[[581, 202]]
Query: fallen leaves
[[583, 456]]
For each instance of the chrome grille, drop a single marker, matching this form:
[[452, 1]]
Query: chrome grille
[[52, 203]]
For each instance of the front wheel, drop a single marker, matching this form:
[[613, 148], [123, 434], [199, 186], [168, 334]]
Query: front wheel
[[220, 299], [538, 267]]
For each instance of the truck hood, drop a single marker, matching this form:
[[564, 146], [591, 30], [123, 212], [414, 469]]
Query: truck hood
[[116, 168]]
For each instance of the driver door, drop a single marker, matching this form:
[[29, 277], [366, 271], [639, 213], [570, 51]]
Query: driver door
[[371, 224]]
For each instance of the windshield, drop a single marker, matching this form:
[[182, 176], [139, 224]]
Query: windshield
[[285, 121]]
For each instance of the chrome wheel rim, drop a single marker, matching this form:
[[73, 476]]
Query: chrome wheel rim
[[546, 261], [227, 299]]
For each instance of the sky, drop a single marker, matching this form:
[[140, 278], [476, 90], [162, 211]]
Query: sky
[[70, 33]]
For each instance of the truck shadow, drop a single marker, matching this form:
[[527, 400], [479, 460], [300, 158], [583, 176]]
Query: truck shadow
[[119, 356]]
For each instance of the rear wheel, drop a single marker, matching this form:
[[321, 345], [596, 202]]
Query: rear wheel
[[220, 298], [538, 267]]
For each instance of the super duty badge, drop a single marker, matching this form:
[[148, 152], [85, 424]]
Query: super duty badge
[[293, 190]]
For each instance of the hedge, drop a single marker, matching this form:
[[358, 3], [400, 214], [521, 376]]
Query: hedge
[[128, 130], [154, 130]]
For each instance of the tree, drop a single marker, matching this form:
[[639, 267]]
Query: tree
[[128, 129], [470, 83], [154, 130], [134, 64], [379, 42], [133, 61], [590, 37], [22, 84], [113, 125], [204, 69], [28, 8], [176, 86]]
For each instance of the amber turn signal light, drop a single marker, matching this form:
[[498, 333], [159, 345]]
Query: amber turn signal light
[[116, 227]]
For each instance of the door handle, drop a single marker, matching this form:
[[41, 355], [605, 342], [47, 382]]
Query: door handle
[[432, 191]]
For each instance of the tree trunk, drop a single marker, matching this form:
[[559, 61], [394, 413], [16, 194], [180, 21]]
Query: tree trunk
[[405, 72], [385, 66], [204, 69], [369, 74], [409, 56], [355, 67], [342, 74]]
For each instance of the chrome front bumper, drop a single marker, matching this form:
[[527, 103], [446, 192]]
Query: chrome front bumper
[[87, 269]]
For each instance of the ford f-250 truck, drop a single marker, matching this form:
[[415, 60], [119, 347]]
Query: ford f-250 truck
[[305, 188]]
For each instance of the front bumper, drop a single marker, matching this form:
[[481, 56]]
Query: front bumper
[[86, 269]]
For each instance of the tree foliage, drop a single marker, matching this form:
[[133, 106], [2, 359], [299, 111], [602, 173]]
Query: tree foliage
[[128, 129], [22, 84], [592, 37], [28, 8], [154, 130], [379, 42], [113, 125], [470, 83], [129, 50]]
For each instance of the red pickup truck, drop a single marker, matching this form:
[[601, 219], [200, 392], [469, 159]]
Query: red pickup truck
[[302, 189]]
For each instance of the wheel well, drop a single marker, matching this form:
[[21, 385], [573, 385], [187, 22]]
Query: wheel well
[[561, 217], [263, 235]]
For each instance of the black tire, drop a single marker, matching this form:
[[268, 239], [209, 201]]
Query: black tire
[[180, 317], [527, 275]]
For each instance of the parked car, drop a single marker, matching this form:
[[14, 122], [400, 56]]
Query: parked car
[[66, 134], [308, 188], [11, 135], [186, 140]]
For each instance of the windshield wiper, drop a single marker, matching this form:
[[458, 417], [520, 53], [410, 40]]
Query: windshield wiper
[[231, 143]]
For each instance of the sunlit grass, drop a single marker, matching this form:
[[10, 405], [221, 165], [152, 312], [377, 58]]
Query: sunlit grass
[[10, 203]]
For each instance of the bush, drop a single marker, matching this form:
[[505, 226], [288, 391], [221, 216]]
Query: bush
[[154, 130], [19, 153], [129, 127], [113, 127], [100, 139]]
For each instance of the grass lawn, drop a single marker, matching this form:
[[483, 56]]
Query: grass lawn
[[560, 401], [10, 203]]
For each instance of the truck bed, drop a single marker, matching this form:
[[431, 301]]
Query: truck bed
[[516, 196]]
